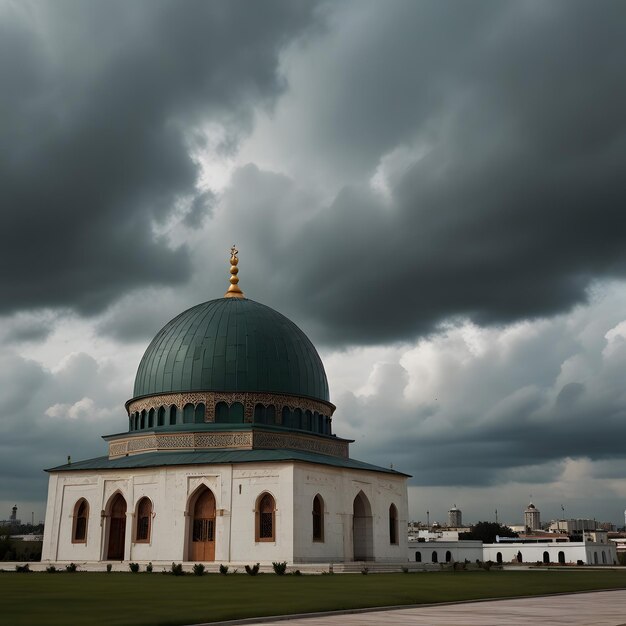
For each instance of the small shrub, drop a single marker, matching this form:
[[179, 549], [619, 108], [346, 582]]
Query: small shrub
[[580, 562], [71, 568], [279, 567], [133, 567], [487, 565], [223, 570], [253, 571], [405, 569], [177, 569], [22, 569], [198, 569], [51, 569], [109, 568], [365, 571], [297, 573], [149, 567]]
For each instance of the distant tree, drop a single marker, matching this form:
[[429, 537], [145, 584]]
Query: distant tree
[[487, 532], [6, 546]]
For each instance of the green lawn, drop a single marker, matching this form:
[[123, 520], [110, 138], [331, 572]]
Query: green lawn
[[120, 598]]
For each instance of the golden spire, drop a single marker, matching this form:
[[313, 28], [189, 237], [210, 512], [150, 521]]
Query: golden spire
[[233, 290]]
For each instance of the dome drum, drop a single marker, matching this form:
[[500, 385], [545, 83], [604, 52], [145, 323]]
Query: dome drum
[[207, 408]]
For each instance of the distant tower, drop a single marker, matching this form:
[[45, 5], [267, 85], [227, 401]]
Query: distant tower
[[455, 517], [13, 518], [532, 519]]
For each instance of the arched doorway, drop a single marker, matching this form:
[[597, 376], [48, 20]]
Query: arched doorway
[[362, 532], [499, 557], [117, 528], [546, 557], [202, 535], [561, 557]]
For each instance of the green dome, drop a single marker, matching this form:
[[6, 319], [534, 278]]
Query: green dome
[[232, 345]]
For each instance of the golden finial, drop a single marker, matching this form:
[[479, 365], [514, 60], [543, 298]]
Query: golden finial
[[233, 290]]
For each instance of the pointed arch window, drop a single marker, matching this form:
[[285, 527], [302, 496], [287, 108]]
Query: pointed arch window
[[393, 524], [81, 519], [265, 518], [318, 518], [143, 521]]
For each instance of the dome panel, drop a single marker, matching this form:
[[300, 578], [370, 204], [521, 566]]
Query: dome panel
[[232, 345]]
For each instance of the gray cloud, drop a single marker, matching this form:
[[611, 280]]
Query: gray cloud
[[55, 414], [25, 328], [98, 116], [483, 407]]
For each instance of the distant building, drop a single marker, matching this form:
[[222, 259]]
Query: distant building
[[572, 526], [12, 521], [532, 518], [455, 517], [593, 550], [445, 551]]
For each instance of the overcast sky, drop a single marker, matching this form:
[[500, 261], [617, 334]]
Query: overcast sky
[[433, 191]]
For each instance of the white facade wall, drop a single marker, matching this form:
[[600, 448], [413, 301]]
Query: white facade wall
[[338, 489], [590, 553], [236, 489]]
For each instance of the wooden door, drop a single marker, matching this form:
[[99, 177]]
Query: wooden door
[[203, 528], [117, 529]]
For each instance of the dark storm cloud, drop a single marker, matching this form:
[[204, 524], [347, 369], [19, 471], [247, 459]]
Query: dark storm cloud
[[100, 106], [504, 197]]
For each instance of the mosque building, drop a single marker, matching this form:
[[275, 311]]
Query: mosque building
[[230, 456]]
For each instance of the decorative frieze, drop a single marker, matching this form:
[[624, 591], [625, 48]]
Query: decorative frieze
[[300, 442], [118, 448], [253, 439]]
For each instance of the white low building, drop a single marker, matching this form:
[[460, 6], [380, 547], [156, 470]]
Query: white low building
[[445, 551], [229, 457], [587, 552]]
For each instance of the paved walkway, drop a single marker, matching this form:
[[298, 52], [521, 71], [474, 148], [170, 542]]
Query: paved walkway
[[604, 608]]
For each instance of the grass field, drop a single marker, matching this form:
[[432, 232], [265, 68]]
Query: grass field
[[155, 599]]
